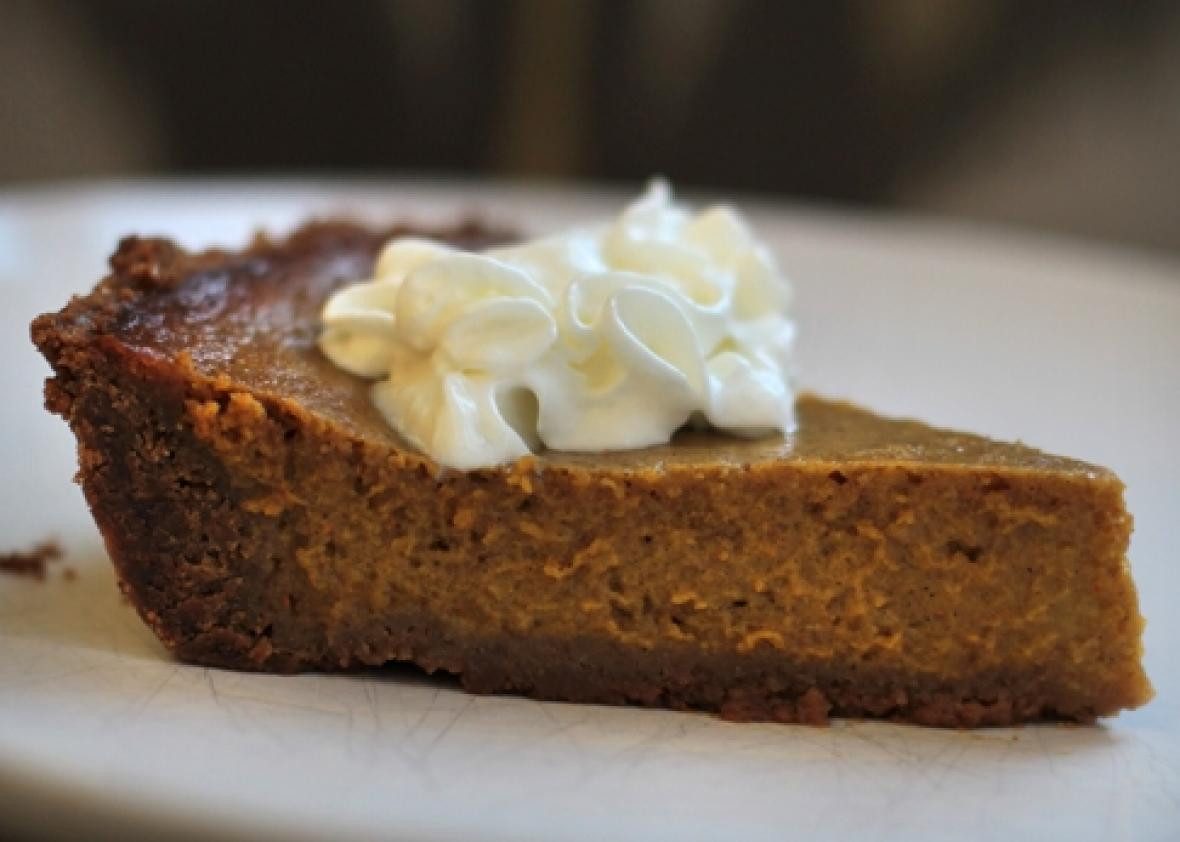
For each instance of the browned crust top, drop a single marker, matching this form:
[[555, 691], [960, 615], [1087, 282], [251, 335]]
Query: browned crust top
[[248, 320]]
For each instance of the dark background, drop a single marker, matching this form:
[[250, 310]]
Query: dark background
[[1063, 116]]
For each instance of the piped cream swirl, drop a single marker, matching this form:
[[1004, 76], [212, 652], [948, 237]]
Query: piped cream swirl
[[604, 337]]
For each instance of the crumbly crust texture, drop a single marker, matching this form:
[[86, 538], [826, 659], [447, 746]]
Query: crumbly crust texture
[[261, 516]]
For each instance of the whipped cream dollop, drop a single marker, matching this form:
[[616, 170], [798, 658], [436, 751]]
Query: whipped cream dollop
[[601, 337]]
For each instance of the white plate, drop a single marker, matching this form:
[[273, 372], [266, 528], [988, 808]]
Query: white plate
[[1068, 346]]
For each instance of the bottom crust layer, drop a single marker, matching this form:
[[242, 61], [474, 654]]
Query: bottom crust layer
[[752, 687]]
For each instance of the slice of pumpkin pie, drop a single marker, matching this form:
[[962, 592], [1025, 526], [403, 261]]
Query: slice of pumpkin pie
[[575, 469]]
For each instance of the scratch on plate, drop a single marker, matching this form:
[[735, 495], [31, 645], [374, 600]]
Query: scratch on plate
[[441, 735], [45, 679], [151, 697], [417, 726]]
